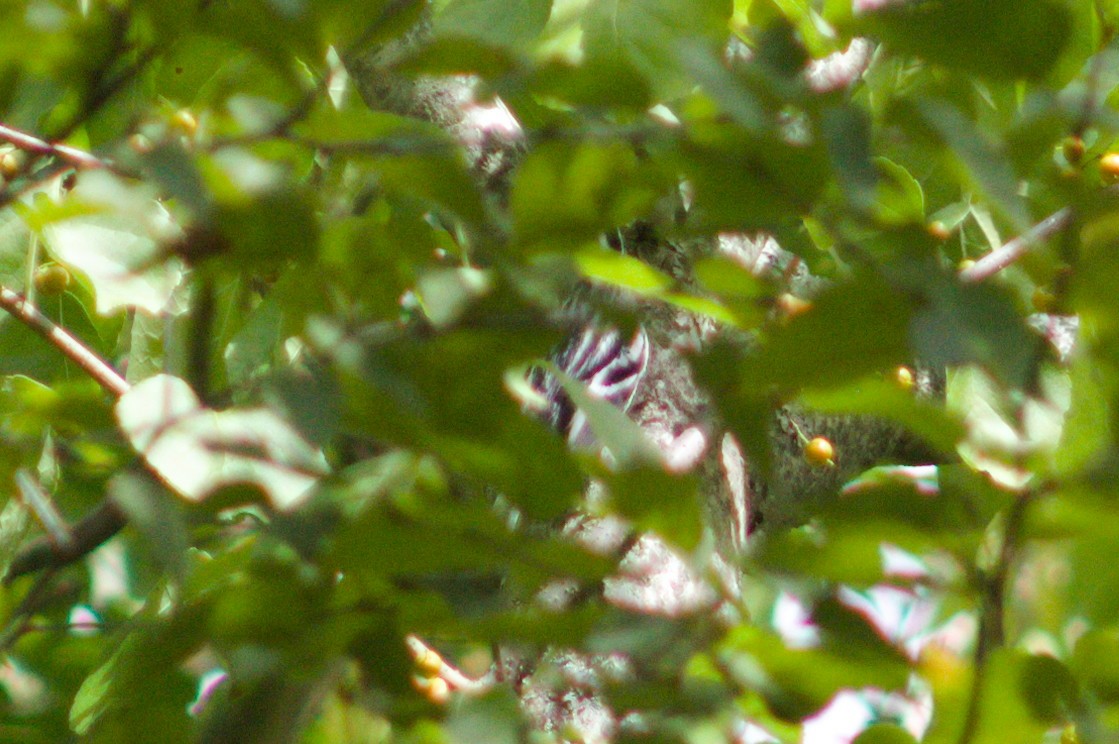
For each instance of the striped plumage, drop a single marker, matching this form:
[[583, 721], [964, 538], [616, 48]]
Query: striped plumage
[[608, 365]]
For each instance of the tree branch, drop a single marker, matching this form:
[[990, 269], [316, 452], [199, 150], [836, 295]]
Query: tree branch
[[106, 520], [25, 312], [992, 632], [30, 143], [85, 537], [1012, 250]]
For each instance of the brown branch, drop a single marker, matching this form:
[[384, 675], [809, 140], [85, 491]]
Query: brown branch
[[85, 537], [106, 520], [97, 368], [992, 615]]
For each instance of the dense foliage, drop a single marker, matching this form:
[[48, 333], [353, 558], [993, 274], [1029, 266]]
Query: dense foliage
[[324, 319]]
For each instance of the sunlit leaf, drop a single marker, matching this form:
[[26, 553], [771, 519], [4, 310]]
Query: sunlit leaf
[[197, 450]]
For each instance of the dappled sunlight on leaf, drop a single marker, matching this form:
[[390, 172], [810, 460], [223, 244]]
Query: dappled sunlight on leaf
[[197, 450]]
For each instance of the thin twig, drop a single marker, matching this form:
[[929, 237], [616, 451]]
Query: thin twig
[[30, 143], [107, 377], [992, 632], [1012, 250], [106, 520], [433, 665], [36, 596], [36, 499]]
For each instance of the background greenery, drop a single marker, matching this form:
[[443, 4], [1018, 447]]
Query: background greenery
[[344, 308]]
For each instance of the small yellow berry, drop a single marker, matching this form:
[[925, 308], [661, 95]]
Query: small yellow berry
[[965, 264], [12, 164], [790, 305], [51, 279], [429, 663], [434, 689], [903, 376], [938, 230], [1109, 167], [819, 451], [185, 121]]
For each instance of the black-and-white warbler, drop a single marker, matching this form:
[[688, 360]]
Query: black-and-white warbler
[[609, 366]]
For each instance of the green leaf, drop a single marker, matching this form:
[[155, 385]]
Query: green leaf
[[851, 330], [509, 23], [117, 245], [622, 271], [568, 194], [976, 323], [650, 34], [798, 682], [886, 400], [999, 39], [1020, 696], [981, 159], [447, 293], [899, 198], [93, 696], [197, 450], [885, 733], [743, 181], [151, 509]]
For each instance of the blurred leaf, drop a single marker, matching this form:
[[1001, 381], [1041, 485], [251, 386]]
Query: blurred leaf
[[885, 733], [455, 55], [981, 160], [150, 509], [252, 349], [197, 450], [622, 271], [973, 323], [446, 293], [649, 34], [1003, 431], [510, 23], [797, 683], [997, 39], [116, 245], [107, 706], [899, 198], [449, 396], [565, 193], [659, 502], [886, 400], [1022, 697], [850, 330], [743, 181], [596, 83]]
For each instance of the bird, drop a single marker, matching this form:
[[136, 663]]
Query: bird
[[606, 362]]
